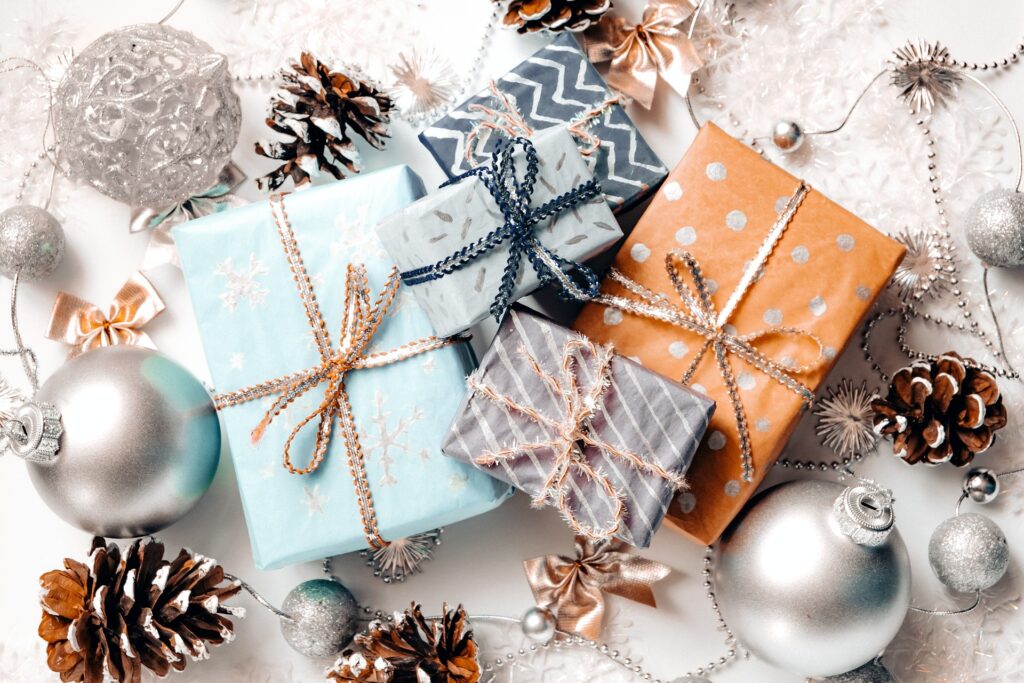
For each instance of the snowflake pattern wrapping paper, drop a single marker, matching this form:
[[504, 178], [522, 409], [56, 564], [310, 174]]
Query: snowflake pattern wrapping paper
[[253, 328]]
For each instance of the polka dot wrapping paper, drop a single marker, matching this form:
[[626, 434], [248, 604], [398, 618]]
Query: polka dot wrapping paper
[[719, 204]]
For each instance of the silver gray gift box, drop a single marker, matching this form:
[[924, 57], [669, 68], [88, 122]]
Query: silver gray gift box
[[639, 411], [442, 223]]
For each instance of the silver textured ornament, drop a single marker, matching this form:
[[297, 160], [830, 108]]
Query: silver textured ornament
[[968, 553], [981, 485], [324, 618], [140, 442], [691, 679], [147, 115], [539, 624], [31, 240], [800, 594], [787, 136], [872, 672], [995, 228]]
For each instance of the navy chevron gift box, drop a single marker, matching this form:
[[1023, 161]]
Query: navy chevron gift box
[[556, 86]]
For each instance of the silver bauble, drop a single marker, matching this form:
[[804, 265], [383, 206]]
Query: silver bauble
[[800, 594], [691, 679], [539, 624], [31, 240], [981, 485], [147, 115], [968, 553], [995, 228], [872, 672], [324, 618], [787, 136], [140, 445]]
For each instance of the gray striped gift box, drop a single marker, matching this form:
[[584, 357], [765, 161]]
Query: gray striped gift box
[[639, 411]]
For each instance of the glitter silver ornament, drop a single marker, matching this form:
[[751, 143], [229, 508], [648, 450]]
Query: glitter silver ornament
[[787, 136], [691, 679], [140, 442], [800, 594], [147, 115], [981, 485], [968, 553], [872, 672], [324, 618], [31, 240], [539, 624], [995, 228]]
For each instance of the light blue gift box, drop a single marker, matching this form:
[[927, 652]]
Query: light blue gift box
[[254, 329]]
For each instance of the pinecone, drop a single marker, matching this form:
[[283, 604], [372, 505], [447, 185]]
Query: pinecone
[[528, 16], [941, 411], [412, 650], [318, 109], [113, 616]]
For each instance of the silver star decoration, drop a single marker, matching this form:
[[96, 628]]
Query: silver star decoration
[[403, 556], [924, 74], [424, 83], [927, 269], [845, 419]]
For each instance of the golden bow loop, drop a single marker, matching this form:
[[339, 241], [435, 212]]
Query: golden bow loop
[[658, 45], [574, 587], [84, 326]]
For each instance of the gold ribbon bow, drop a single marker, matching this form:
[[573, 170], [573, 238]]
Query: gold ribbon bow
[[84, 326], [362, 318], [572, 435], [574, 587], [698, 314], [638, 54]]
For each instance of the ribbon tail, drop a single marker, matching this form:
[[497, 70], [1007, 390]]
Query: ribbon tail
[[73, 320], [634, 73], [635, 578], [552, 267], [746, 456], [676, 57]]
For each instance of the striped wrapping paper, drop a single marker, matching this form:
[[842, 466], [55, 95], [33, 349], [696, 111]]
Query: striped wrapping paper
[[641, 411]]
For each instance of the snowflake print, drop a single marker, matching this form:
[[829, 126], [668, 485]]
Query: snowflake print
[[357, 240], [384, 441], [242, 285], [314, 500]]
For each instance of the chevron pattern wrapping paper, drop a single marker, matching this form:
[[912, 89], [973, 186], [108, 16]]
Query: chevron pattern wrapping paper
[[553, 87]]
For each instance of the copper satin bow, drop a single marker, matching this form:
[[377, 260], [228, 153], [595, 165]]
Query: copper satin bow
[[638, 54], [574, 587], [569, 466], [698, 314], [84, 326]]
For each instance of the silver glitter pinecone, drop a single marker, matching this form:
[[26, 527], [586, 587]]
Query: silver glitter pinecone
[[31, 240], [995, 228], [968, 553], [324, 618]]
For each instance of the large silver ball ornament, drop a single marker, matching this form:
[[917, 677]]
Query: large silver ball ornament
[[801, 594], [981, 485], [872, 672], [324, 618], [995, 228], [787, 136], [539, 624], [140, 445], [968, 553], [147, 115], [31, 241]]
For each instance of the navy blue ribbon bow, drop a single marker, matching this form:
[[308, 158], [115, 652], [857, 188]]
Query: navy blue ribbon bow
[[513, 196]]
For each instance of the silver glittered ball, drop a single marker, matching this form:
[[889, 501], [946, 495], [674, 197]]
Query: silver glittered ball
[[140, 445], [147, 115], [787, 136], [995, 228], [324, 618], [539, 624], [981, 485], [691, 679], [31, 240], [800, 594], [968, 553], [872, 672]]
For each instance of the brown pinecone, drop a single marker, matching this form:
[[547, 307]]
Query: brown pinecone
[[412, 650], [114, 615], [941, 411], [554, 15], [318, 109]]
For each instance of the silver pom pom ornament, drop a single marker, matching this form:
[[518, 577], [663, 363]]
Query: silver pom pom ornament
[[995, 228], [968, 553], [31, 242], [323, 617]]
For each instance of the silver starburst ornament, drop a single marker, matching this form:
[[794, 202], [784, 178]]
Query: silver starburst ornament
[[403, 556], [845, 419], [925, 75], [424, 83], [928, 269]]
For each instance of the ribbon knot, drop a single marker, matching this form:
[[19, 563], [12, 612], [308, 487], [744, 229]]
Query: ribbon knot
[[513, 193]]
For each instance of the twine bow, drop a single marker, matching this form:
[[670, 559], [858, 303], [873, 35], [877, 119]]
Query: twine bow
[[574, 587], [513, 196], [698, 314], [564, 453], [84, 326], [362, 318], [639, 54]]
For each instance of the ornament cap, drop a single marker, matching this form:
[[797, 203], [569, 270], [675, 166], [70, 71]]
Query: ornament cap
[[864, 513], [33, 434]]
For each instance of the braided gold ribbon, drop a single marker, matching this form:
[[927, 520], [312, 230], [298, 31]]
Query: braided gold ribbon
[[361, 320], [572, 435], [698, 314]]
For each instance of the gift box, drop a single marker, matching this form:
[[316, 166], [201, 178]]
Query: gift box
[[257, 324], [745, 284], [475, 246], [556, 86], [578, 427]]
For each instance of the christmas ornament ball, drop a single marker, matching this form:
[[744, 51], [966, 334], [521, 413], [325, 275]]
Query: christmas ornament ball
[[995, 228], [800, 594], [31, 241], [787, 136], [872, 672], [324, 618], [140, 445], [539, 624], [147, 115], [981, 485], [968, 552]]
